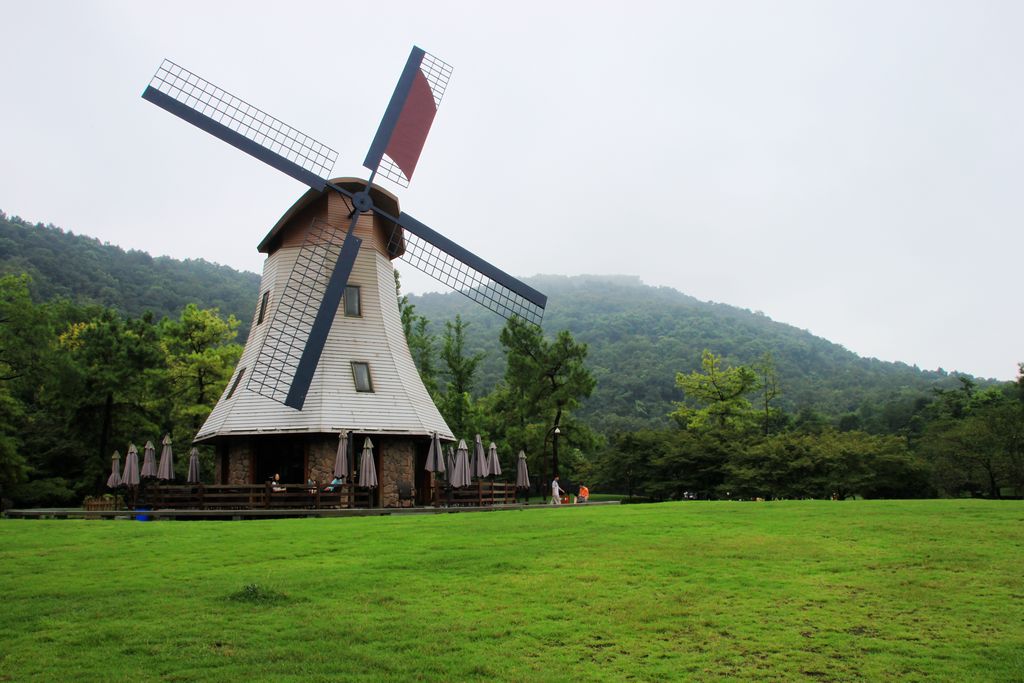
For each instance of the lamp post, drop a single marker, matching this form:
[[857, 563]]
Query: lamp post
[[554, 452]]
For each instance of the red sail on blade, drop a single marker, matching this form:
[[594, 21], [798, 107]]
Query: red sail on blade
[[396, 147], [410, 132]]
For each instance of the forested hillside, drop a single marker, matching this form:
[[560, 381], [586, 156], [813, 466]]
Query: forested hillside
[[86, 271], [639, 337], [634, 388]]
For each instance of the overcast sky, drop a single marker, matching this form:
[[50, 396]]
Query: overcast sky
[[852, 168]]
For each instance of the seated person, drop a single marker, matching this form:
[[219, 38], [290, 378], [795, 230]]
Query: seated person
[[275, 483], [584, 494], [335, 483]]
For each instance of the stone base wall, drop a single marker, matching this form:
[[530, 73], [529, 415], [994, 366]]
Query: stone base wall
[[396, 462]]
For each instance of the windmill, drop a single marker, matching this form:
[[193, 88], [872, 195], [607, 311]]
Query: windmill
[[286, 357], [394, 153]]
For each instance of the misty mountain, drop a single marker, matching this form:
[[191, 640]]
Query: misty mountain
[[640, 336], [86, 271]]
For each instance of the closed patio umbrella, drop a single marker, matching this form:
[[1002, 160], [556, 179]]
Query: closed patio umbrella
[[165, 470], [148, 460], [367, 470], [522, 472], [492, 460], [341, 460], [449, 463], [435, 458], [193, 466], [460, 472], [114, 480], [479, 464], [131, 467]]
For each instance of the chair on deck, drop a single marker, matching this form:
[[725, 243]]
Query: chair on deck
[[405, 494]]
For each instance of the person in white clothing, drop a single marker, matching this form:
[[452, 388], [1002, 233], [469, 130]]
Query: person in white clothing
[[556, 492]]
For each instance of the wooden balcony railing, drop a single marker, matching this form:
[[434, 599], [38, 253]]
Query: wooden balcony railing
[[479, 493], [251, 496]]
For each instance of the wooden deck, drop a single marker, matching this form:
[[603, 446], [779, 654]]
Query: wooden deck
[[274, 513], [265, 501]]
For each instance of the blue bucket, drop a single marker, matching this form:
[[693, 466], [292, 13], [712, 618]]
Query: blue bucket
[[141, 517]]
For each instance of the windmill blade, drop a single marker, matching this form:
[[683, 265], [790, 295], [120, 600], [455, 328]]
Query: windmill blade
[[464, 271], [305, 311], [396, 147], [240, 124]]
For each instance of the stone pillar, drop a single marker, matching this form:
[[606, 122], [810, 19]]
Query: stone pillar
[[320, 454], [397, 463], [240, 462]]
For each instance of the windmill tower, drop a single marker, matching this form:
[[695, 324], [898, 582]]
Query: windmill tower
[[327, 353]]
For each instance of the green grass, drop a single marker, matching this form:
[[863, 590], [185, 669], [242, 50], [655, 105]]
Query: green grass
[[597, 497], [929, 590], [594, 497]]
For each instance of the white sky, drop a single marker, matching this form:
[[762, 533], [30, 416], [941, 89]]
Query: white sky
[[852, 168]]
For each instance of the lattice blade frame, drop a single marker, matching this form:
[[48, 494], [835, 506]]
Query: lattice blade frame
[[235, 121], [448, 263], [273, 373], [397, 128]]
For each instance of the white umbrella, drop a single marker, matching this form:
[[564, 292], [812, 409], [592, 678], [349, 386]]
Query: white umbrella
[[460, 473], [131, 467], [193, 466], [148, 460], [165, 470], [435, 458], [367, 470], [114, 480], [341, 460], [522, 473], [492, 460], [479, 464]]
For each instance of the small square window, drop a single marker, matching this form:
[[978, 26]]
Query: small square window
[[263, 306], [352, 303], [238, 380], [361, 375]]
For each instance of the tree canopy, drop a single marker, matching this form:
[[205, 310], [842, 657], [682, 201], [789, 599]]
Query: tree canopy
[[79, 382]]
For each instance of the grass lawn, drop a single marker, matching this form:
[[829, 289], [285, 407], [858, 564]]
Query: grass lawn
[[920, 590]]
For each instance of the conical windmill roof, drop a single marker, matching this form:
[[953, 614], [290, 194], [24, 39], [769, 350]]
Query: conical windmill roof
[[381, 197]]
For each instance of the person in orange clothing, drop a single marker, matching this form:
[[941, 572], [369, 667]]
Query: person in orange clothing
[[584, 494]]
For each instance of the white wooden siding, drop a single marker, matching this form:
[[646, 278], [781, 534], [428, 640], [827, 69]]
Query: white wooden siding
[[399, 403]]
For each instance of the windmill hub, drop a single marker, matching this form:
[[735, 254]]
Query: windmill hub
[[362, 201]]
